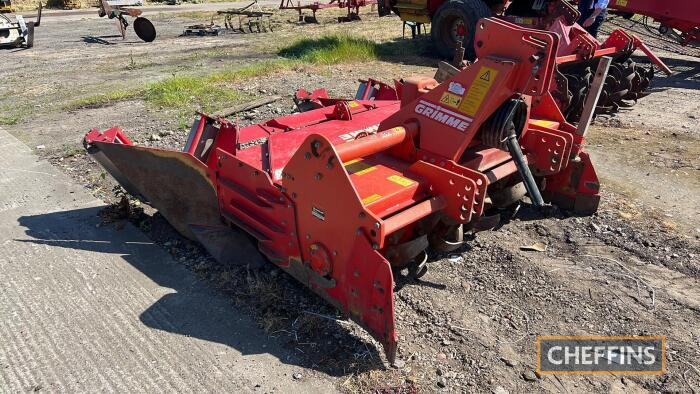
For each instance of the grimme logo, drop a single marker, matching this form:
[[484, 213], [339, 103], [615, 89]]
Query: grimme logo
[[600, 354], [443, 115]]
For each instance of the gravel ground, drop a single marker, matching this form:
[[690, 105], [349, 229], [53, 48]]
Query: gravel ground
[[471, 323]]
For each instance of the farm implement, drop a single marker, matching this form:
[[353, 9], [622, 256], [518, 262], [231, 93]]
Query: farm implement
[[350, 193], [353, 7], [578, 54]]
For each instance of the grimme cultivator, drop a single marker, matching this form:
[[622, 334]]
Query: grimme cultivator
[[344, 196]]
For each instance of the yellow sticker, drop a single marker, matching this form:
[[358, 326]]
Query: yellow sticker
[[371, 199], [544, 123], [358, 167], [622, 3], [478, 90], [353, 104], [400, 180], [451, 100]]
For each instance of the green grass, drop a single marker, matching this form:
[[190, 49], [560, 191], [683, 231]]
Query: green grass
[[9, 120], [102, 99], [332, 49], [187, 92], [253, 70], [213, 92]]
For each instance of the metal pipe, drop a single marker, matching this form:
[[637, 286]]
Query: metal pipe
[[524, 170], [375, 143]]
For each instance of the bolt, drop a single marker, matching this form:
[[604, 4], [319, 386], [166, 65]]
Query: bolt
[[308, 236], [361, 215], [375, 246], [307, 156], [377, 225], [318, 176], [335, 253]]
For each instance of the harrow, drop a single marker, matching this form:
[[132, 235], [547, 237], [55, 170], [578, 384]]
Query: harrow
[[345, 196], [454, 22], [578, 56]]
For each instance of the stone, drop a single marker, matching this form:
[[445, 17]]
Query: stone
[[529, 376]]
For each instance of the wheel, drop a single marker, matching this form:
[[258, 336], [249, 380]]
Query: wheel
[[144, 29], [455, 21], [382, 9], [29, 41], [446, 239]]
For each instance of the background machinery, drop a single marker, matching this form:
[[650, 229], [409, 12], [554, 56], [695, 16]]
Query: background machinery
[[454, 22], [347, 195], [120, 9], [677, 19], [17, 33]]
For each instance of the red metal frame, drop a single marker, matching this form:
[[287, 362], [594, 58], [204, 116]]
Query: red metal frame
[[332, 193], [353, 7]]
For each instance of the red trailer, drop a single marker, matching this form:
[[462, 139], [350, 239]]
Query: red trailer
[[681, 16]]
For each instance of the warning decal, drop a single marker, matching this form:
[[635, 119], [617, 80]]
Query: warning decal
[[405, 182], [358, 167], [478, 90], [371, 199], [451, 100]]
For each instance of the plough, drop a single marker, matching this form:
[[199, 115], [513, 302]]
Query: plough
[[119, 9], [345, 196]]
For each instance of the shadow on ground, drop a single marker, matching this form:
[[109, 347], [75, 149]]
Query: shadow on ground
[[254, 312], [686, 73]]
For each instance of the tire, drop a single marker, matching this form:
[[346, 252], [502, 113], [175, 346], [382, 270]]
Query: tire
[[382, 10], [144, 29], [445, 26], [29, 41]]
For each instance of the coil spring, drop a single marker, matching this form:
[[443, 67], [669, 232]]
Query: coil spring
[[509, 119]]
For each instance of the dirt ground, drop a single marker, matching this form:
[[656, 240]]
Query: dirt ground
[[472, 322]]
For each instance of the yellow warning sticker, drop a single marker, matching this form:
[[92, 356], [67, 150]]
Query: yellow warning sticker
[[450, 99], [400, 180], [622, 3], [353, 104], [478, 90], [358, 167], [371, 199], [544, 123]]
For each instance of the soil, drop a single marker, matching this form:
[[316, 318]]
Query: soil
[[472, 322]]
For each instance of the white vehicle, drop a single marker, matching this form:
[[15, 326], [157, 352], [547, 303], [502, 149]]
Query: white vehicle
[[19, 33]]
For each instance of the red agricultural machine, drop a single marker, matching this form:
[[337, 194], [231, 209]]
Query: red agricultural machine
[[353, 7], [345, 196], [454, 21]]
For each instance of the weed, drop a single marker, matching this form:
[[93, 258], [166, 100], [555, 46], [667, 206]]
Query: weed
[[331, 50], [103, 99]]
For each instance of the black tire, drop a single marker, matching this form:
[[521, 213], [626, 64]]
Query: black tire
[[29, 41], [144, 29], [382, 10], [446, 19]]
